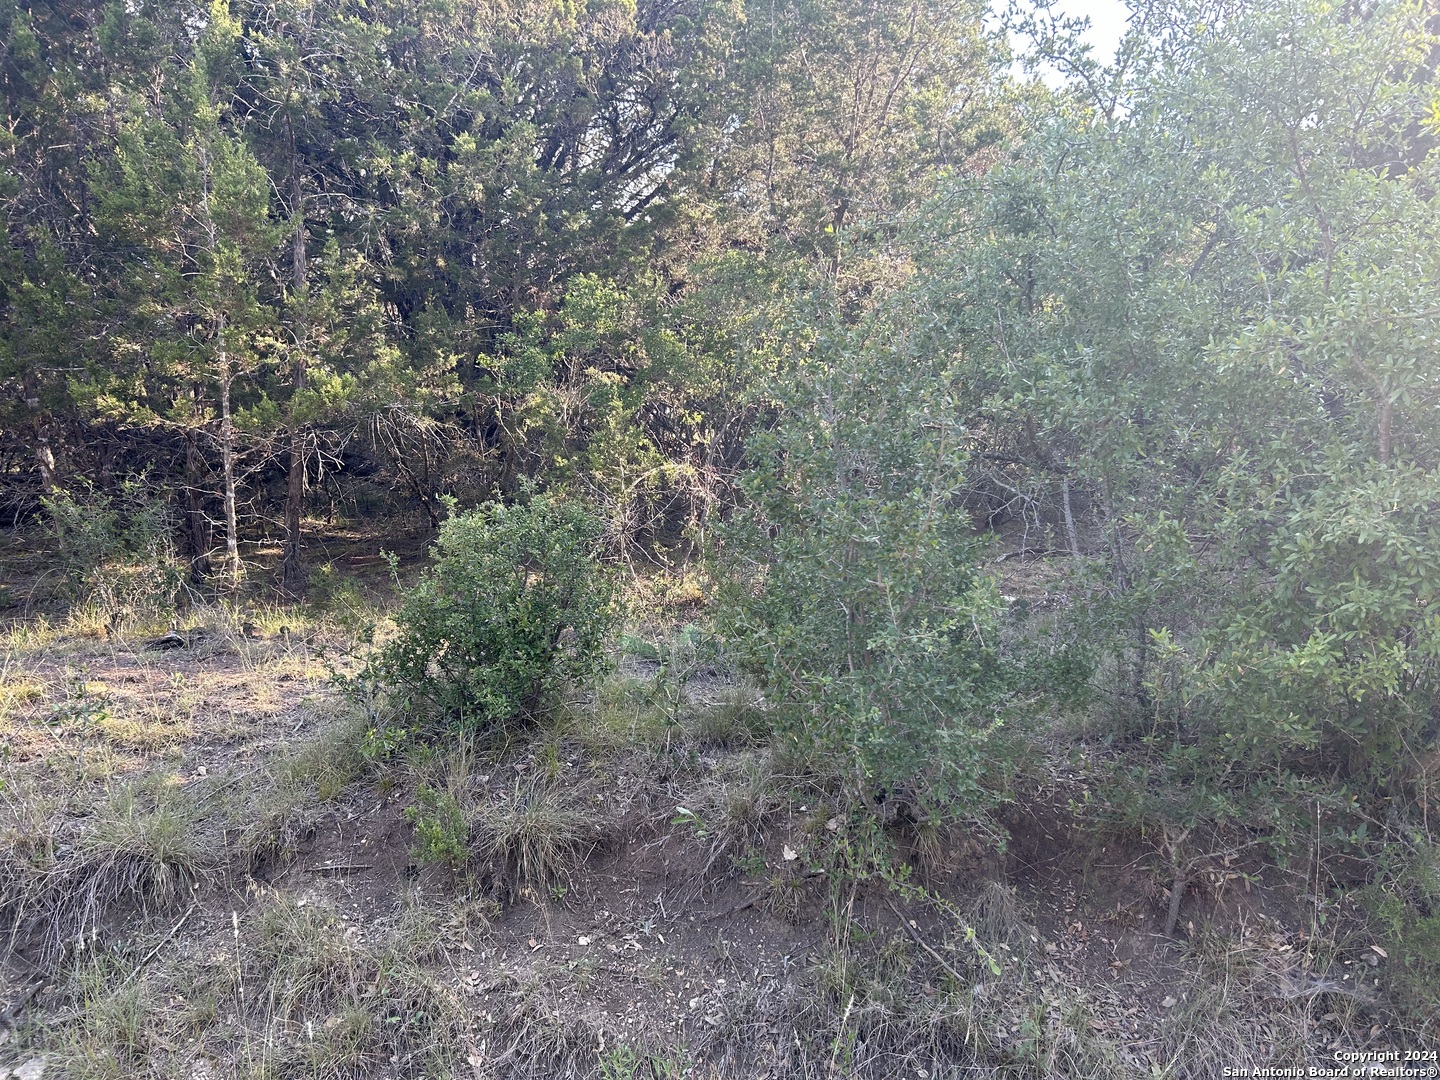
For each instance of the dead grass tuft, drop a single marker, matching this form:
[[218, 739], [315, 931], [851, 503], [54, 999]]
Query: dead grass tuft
[[534, 835], [142, 735], [138, 848], [331, 1002], [997, 916]]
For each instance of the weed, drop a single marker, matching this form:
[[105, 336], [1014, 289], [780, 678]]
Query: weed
[[620, 1063], [688, 819], [441, 833]]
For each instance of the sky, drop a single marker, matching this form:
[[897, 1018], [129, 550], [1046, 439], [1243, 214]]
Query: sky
[[1107, 23]]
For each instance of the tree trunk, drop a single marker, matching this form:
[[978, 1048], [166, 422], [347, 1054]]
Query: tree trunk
[[227, 456], [292, 574], [1069, 519], [225, 377], [197, 522], [44, 455]]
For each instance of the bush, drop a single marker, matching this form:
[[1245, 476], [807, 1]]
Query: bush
[[115, 551], [441, 835], [515, 605], [853, 590]]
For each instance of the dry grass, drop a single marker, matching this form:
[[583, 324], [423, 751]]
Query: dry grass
[[106, 821], [737, 720], [534, 835], [306, 960], [114, 1026], [142, 849], [330, 999]]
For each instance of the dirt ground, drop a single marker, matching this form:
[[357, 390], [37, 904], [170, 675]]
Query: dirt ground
[[692, 923]]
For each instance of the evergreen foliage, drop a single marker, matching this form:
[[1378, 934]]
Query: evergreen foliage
[[514, 604], [820, 288]]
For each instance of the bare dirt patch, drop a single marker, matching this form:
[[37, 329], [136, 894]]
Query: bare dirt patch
[[696, 925]]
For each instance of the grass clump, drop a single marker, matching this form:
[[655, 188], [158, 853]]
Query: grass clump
[[1404, 903], [148, 843], [332, 1003], [306, 959], [738, 720], [140, 848], [115, 1022], [533, 836]]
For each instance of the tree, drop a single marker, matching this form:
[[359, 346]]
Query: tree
[[188, 204], [1191, 315], [842, 113]]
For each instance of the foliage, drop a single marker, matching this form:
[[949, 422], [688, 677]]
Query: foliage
[[441, 833], [514, 604], [853, 587], [114, 551], [282, 250], [1189, 313], [1405, 904]]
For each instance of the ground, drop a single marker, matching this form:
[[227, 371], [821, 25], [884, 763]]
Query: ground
[[209, 870]]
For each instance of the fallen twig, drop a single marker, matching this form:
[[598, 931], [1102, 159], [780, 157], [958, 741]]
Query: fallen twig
[[163, 941], [346, 868], [733, 910], [915, 937]]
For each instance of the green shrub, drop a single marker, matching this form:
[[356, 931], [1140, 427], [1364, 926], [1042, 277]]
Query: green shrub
[[441, 833], [114, 552], [515, 604], [853, 590]]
